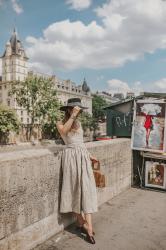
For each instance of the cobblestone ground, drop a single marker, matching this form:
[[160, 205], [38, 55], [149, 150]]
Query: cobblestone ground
[[134, 220]]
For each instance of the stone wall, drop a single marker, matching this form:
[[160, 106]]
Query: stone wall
[[29, 190]]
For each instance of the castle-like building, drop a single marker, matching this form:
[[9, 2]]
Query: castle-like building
[[15, 67]]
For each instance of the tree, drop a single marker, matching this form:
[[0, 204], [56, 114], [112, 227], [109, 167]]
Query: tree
[[98, 103], [88, 122], [38, 96], [48, 127], [8, 122]]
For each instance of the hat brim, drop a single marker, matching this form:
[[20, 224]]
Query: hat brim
[[64, 108]]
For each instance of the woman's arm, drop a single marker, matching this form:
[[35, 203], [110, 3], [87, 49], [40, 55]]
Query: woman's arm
[[64, 128]]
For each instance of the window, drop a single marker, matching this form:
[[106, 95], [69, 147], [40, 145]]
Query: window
[[8, 102], [0, 87], [21, 112], [5, 86], [27, 120], [21, 119]]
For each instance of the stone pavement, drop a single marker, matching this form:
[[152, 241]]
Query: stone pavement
[[133, 220]]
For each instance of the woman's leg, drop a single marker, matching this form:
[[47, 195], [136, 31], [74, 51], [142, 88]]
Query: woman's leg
[[80, 218], [88, 218], [147, 136]]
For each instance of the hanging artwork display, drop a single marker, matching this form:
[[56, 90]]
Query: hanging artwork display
[[155, 174], [148, 132]]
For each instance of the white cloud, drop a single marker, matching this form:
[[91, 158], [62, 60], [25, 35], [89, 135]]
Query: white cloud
[[40, 68], [128, 30], [16, 6], [66, 45], [160, 85], [79, 4], [118, 86]]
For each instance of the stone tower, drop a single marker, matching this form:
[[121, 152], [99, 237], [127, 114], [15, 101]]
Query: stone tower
[[14, 60], [85, 87]]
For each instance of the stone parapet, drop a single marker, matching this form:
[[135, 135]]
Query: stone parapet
[[29, 190]]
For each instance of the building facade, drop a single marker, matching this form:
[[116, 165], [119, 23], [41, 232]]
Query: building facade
[[108, 97], [15, 68]]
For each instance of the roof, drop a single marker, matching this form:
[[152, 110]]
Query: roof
[[85, 86], [154, 95], [119, 103], [143, 95], [16, 45]]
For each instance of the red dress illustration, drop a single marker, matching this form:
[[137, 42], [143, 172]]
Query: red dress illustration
[[148, 125], [148, 122]]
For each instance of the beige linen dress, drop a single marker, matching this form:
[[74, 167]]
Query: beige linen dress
[[78, 191]]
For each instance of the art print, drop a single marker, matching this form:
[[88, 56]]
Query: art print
[[155, 174], [149, 126]]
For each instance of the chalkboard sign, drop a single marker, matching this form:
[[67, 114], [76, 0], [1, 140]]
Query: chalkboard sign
[[119, 124]]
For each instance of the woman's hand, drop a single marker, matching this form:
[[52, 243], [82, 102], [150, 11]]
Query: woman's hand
[[75, 110], [93, 159]]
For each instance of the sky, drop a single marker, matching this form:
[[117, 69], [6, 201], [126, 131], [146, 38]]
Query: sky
[[117, 45]]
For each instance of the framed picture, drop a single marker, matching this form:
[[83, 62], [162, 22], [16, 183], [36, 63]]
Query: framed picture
[[148, 131], [155, 174]]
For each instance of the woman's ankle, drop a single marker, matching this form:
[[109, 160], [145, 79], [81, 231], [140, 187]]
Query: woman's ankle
[[89, 229], [81, 221]]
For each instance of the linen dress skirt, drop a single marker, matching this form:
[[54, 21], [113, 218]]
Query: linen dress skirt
[[78, 190]]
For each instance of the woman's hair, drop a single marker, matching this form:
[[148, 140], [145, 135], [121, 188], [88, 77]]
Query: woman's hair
[[75, 124]]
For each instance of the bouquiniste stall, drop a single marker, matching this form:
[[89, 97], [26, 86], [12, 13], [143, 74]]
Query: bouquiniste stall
[[149, 137]]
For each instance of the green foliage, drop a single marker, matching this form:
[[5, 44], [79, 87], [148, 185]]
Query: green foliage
[[8, 121], [98, 103], [49, 127], [38, 96], [88, 121]]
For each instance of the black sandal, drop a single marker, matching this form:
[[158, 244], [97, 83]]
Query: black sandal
[[90, 239], [83, 229]]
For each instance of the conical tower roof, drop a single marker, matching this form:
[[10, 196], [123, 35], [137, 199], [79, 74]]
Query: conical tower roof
[[85, 86], [15, 44]]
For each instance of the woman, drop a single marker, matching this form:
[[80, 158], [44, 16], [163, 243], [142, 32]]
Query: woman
[[78, 193]]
